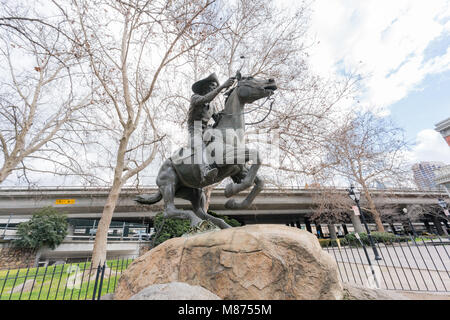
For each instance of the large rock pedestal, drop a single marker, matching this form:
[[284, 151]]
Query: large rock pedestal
[[254, 262]]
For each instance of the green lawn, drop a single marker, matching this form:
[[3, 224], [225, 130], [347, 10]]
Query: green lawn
[[62, 282]]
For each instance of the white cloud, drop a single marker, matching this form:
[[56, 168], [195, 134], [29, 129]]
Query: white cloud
[[430, 146], [384, 40]]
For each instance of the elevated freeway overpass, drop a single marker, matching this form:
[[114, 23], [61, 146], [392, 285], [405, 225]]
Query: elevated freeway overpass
[[271, 206]]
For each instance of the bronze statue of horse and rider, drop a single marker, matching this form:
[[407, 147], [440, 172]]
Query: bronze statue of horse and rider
[[188, 171]]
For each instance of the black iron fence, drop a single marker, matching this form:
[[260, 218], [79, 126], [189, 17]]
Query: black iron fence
[[406, 263], [68, 281]]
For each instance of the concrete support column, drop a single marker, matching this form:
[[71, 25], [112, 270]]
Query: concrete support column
[[308, 225], [407, 228], [428, 227], [344, 227], [393, 228], [438, 226], [356, 221], [319, 230], [447, 226]]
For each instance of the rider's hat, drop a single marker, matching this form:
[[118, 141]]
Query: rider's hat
[[199, 86]]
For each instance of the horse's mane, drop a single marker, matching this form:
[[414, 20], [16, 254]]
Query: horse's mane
[[228, 94]]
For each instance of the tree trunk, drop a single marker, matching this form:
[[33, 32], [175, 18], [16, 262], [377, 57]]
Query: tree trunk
[[101, 237], [378, 222], [332, 231], [5, 172], [38, 257], [373, 210]]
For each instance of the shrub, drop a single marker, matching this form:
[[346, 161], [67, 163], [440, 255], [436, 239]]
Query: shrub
[[168, 228], [232, 222], [174, 228], [378, 237], [46, 228], [325, 243]]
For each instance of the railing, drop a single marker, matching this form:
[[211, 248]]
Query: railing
[[9, 234], [407, 263], [442, 175], [154, 188], [110, 237], [75, 281]]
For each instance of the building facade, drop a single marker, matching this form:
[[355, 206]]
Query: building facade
[[443, 128], [442, 174], [424, 174]]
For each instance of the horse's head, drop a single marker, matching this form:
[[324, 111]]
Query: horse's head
[[250, 89]]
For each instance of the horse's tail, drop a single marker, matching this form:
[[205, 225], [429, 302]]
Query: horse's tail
[[149, 198]]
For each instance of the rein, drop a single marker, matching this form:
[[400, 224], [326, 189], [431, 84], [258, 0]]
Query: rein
[[268, 113], [255, 109]]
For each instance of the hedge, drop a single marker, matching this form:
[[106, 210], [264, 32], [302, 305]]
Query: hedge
[[378, 237]]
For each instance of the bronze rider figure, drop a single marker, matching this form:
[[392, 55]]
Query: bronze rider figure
[[201, 109]]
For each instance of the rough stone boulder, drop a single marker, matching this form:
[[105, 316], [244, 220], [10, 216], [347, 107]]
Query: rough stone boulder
[[174, 291], [254, 262], [356, 292]]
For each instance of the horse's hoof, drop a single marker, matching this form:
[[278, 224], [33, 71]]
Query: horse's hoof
[[231, 204], [196, 222], [229, 190]]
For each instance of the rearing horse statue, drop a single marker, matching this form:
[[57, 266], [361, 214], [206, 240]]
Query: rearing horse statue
[[180, 179]]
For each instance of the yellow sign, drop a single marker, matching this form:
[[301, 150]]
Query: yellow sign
[[65, 201]]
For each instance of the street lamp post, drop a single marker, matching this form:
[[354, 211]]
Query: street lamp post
[[405, 211], [355, 196]]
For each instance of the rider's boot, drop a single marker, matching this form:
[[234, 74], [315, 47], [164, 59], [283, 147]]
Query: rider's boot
[[208, 174]]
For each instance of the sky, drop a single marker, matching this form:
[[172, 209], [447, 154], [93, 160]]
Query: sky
[[401, 48]]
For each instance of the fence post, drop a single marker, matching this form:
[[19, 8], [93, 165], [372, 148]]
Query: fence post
[[96, 282], [101, 281], [24, 281], [4, 283], [14, 284], [368, 260]]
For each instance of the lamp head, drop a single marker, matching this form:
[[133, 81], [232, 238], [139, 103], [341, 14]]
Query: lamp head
[[353, 193]]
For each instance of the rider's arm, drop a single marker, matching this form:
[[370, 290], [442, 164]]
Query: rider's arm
[[198, 99], [207, 98]]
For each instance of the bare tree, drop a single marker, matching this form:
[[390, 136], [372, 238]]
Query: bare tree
[[275, 44], [366, 149], [131, 46], [38, 101], [435, 212], [332, 205]]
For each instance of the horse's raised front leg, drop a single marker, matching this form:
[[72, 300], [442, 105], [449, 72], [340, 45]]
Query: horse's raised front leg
[[259, 186], [234, 188]]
